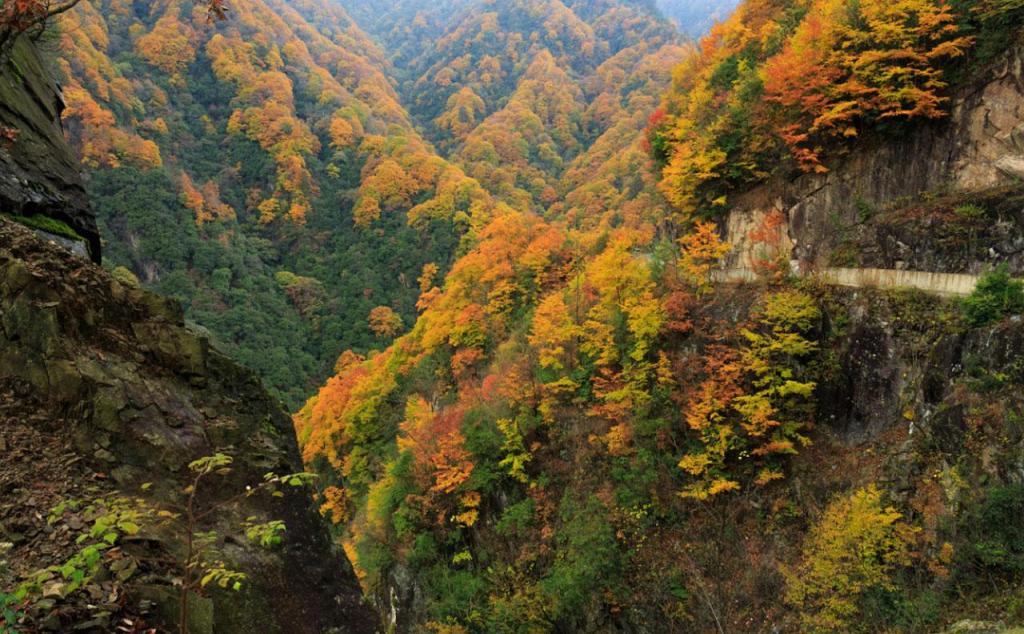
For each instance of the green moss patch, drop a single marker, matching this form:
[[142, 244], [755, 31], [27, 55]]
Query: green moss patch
[[49, 225]]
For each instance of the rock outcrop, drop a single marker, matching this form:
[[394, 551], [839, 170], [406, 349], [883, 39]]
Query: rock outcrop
[[38, 173], [979, 147], [112, 374]]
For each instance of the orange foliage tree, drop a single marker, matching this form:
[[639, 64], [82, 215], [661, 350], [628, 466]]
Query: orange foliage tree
[[835, 72], [754, 406], [385, 322], [169, 46], [440, 459]]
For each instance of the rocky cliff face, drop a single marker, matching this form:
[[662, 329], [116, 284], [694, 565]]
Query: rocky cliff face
[[978, 149], [107, 380], [38, 175]]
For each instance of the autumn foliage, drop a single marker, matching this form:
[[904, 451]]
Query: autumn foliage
[[835, 73], [856, 548], [797, 81], [545, 422], [753, 403], [27, 16], [566, 377], [384, 322], [270, 68]]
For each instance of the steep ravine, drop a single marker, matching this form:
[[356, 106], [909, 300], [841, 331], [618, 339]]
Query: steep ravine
[[112, 375]]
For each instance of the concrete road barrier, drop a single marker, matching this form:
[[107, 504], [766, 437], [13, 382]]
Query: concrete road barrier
[[946, 284]]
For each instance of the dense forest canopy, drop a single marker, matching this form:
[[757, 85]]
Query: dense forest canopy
[[270, 169], [262, 170], [578, 409]]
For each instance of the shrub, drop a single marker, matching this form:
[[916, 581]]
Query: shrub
[[970, 212], [589, 560], [453, 595], [125, 276], [996, 529], [516, 519], [996, 296]]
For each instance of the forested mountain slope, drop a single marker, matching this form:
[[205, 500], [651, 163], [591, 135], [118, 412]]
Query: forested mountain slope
[[514, 92], [549, 416], [268, 170], [405, 29], [484, 55], [260, 169], [583, 432]]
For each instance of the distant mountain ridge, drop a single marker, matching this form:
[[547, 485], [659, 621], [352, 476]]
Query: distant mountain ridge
[[696, 17]]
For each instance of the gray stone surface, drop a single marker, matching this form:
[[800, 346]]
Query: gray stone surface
[[38, 173]]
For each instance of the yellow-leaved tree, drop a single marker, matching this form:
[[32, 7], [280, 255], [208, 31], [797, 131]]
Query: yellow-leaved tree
[[755, 405], [857, 547], [702, 250]]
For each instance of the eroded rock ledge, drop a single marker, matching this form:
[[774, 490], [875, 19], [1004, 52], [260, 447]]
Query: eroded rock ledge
[[978, 148]]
